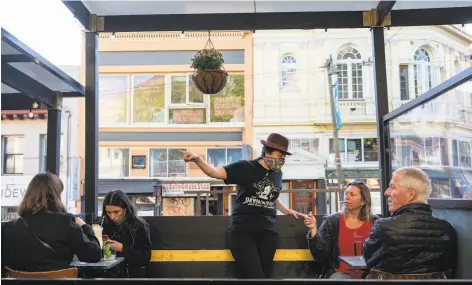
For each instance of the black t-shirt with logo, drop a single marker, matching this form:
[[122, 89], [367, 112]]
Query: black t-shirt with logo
[[257, 190]]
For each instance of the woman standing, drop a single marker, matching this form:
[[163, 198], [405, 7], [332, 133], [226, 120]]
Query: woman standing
[[252, 231], [342, 234], [128, 235]]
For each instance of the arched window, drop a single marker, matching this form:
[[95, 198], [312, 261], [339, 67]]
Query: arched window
[[349, 64], [423, 76], [289, 72]]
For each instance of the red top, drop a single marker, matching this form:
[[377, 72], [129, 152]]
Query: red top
[[350, 243]]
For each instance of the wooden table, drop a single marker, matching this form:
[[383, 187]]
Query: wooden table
[[356, 262], [101, 265]]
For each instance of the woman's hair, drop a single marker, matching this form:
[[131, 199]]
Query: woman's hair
[[365, 214], [120, 199], [43, 195]]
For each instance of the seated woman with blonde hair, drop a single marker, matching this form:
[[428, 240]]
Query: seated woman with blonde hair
[[342, 234], [45, 237]]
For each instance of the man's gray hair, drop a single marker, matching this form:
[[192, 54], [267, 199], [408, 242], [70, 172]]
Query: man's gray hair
[[417, 179]]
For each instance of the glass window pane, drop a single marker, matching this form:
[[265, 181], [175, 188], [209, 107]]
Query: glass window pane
[[13, 145], [195, 95], [216, 156], [158, 163], [228, 105], [234, 155], [370, 149], [178, 89], [354, 149], [113, 99], [113, 162], [177, 166], [149, 99]]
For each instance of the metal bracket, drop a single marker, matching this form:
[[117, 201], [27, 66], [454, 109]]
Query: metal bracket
[[57, 100], [369, 19], [96, 23]]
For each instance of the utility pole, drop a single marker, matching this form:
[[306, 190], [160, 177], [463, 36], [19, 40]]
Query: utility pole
[[337, 124]]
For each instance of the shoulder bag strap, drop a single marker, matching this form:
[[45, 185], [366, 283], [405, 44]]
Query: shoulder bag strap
[[44, 243]]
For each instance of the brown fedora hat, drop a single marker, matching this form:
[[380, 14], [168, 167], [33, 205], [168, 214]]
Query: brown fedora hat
[[278, 142]]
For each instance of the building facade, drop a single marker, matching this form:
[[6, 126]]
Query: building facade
[[291, 96], [149, 109], [24, 151]]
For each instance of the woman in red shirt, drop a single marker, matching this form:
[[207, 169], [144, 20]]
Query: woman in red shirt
[[342, 234]]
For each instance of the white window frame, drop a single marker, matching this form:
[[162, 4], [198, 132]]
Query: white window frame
[[151, 168], [426, 68], [129, 99], [349, 63], [288, 68], [310, 139], [226, 152], [344, 160], [4, 154], [187, 92], [129, 161]]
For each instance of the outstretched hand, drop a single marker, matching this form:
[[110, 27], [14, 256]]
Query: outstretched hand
[[295, 214], [188, 156]]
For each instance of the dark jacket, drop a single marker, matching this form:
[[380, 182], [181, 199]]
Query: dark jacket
[[324, 246], [136, 247], [22, 251], [411, 241]]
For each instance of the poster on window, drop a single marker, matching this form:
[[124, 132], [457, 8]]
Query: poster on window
[[178, 206], [113, 102], [228, 105], [149, 99], [187, 116]]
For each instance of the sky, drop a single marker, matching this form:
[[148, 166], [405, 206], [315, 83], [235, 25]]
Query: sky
[[46, 26], [49, 28]]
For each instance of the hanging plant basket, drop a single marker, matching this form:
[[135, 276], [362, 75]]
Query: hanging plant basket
[[210, 77], [210, 81]]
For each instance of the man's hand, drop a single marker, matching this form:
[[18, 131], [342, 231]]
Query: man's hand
[[117, 246], [310, 223], [188, 156]]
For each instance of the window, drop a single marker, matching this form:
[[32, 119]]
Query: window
[[461, 153], [113, 99], [223, 156], [167, 163], [13, 155], [349, 65], [184, 91], [43, 158], [404, 86], [356, 150], [113, 162], [311, 145], [289, 73], [423, 77], [228, 105], [149, 99]]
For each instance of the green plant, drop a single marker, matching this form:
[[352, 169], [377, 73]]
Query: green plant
[[207, 59]]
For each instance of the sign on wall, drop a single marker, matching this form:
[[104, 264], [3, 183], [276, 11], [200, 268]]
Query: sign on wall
[[178, 189], [178, 207]]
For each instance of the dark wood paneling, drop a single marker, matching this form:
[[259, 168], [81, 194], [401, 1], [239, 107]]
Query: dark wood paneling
[[209, 232]]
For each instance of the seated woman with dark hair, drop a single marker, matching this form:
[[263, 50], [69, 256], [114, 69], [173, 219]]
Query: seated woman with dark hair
[[342, 234], [128, 234], [46, 237]]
